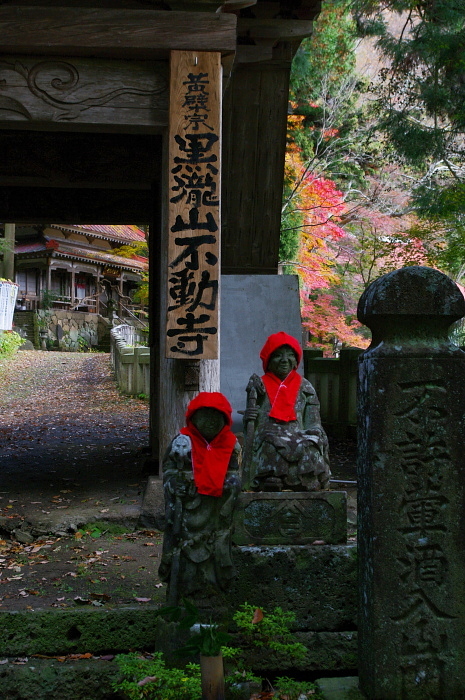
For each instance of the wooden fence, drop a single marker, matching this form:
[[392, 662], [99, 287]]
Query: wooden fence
[[130, 363], [335, 381]]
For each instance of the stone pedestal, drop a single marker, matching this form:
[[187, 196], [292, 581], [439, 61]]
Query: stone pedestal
[[411, 485], [291, 518]]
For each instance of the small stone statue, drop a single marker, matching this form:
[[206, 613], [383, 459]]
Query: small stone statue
[[201, 484], [285, 446]]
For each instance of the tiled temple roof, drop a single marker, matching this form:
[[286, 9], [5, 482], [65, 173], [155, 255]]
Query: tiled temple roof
[[66, 249], [121, 233]]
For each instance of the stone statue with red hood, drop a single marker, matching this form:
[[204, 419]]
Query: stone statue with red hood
[[201, 482], [285, 445]]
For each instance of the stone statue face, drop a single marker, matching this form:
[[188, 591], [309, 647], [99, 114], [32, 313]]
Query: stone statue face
[[282, 361], [209, 422]]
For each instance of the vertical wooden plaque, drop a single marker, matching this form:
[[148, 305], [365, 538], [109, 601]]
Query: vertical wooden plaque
[[194, 205]]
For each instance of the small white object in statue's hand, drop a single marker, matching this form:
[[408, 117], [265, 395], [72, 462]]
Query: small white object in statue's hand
[[181, 445]]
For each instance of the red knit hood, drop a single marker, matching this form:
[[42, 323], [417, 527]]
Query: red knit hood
[[210, 399], [274, 342], [210, 460]]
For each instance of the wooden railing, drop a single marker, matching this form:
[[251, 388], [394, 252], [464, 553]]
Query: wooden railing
[[130, 363]]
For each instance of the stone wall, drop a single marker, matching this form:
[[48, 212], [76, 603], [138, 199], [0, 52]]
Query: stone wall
[[69, 330]]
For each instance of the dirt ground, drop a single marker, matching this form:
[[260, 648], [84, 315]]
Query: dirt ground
[[72, 455], [72, 482]]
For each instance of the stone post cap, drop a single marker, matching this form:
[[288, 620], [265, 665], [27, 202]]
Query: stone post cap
[[411, 304]]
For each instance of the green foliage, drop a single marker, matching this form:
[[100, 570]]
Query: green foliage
[[207, 640], [9, 342], [5, 246], [83, 345], [421, 91], [291, 689], [328, 56], [141, 294], [47, 299], [291, 226], [150, 679], [326, 133], [43, 320], [139, 249], [96, 530], [324, 89], [271, 630]]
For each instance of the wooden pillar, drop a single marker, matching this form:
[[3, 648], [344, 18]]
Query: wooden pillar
[[120, 289], [255, 122], [9, 252], [73, 287], [97, 291], [49, 275]]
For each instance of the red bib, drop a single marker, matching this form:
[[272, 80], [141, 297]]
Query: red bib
[[282, 394], [210, 460]]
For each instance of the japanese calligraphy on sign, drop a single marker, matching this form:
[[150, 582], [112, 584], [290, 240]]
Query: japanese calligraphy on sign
[[194, 205]]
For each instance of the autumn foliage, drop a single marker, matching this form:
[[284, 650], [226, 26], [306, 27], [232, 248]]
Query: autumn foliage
[[318, 205]]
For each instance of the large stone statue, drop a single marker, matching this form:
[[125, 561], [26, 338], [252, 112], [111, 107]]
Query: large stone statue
[[285, 446], [201, 484]]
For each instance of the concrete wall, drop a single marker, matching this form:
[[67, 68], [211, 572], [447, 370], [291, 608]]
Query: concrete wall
[[252, 308]]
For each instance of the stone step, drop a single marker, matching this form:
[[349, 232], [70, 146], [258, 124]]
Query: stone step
[[42, 679], [57, 632]]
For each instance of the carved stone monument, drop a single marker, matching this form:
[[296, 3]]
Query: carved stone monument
[[201, 484], [411, 484], [285, 446]]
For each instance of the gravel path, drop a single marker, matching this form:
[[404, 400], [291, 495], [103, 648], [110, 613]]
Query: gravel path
[[70, 486], [66, 434]]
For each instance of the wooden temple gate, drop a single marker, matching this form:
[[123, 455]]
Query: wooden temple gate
[[168, 113]]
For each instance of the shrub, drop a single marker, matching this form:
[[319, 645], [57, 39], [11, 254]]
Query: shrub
[[9, 342], [271, 630], [148, 678]]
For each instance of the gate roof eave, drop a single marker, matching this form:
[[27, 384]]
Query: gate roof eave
[[113, 33]]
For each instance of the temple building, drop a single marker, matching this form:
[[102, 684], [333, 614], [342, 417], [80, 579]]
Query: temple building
[[77, 267]]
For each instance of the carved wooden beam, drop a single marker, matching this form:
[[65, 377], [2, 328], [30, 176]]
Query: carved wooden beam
[[69, 90], [144, 34]]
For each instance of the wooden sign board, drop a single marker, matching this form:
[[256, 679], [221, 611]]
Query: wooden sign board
[[194, 205]]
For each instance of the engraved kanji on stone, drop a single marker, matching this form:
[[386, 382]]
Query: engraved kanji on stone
[[422, 400], [421, 636], [422, 564], [423, 514]]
